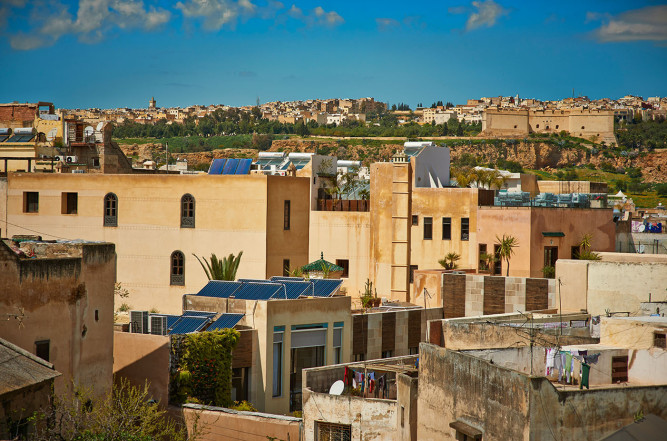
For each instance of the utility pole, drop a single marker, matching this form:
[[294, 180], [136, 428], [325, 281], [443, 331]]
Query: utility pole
[[166, 157]]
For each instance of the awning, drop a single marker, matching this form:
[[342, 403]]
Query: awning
[[466, 429], [553, 234]]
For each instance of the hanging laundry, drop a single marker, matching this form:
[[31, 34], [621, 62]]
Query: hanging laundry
[[550, 360], [595, 327], [568, 366], [563, 363], [558, 365], [585, 370], [592, 358]]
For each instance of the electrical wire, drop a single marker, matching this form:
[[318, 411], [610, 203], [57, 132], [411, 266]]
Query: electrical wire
[[34, 231]]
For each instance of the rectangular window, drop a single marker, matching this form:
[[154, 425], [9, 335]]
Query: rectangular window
[[550, 256], [30, 202], [619, 369], [286, 225], [345, 264], [387, 354], [286, 268], [446, 228], [483, 264], [415, 220], [359, 357], [332, 432], [277, 363], [413, 268], [428, 228], [659, 340], [42, 349], [414, 350], [338, 345], [69, 203], [465, 228]]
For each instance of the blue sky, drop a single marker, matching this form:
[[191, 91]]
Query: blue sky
[[119, 53]]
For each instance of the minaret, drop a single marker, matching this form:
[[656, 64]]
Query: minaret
[[151, 103]]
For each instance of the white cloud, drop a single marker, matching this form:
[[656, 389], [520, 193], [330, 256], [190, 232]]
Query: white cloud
[[647, 24], [487, 13], [387, 24], [316, 17], [94, 18], [217, 13]]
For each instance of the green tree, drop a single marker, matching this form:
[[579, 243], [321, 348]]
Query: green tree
[[507, 245], [224, 269], [126, 413], [449, 262]]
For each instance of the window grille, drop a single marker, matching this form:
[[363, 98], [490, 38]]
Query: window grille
[[187, 211], [110, 210], [177, 268], [333, 432]]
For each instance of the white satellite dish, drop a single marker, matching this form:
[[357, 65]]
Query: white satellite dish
[[98, 127], [88, 131], [337, 388], [642, 228], [51, 135]]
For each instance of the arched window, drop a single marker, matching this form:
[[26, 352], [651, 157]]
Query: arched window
[[177, 268], [110, 210], [187, 211]]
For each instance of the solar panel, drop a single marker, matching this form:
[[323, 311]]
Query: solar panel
[[198, 314], [230, 166], [216, 166], [296, 289], [20, 138], [225, 321], [244, 166], [326, 287], [260, 291], [219, 288], [186, 325], [289, 279]]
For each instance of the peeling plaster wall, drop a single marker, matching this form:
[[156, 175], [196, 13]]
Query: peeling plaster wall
[[371, 419], [68, 301]]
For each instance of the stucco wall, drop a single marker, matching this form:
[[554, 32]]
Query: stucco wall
[[269, 314], [142, 358], [630, 333], [219, 424], [527, 225], [370, 418], [68, 301], [454, 386], [615, 286], [232, 214], [343, 235]]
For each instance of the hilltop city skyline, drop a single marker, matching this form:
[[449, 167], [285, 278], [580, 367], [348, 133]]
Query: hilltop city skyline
[[83, 53]]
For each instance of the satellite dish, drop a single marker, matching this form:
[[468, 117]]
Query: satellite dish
[[98, 127], [88, 131], [52, 134], [642, 227], [337, 388]]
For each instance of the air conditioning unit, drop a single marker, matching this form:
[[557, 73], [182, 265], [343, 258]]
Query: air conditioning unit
[[158, 325], [71, 159], [139, 322]]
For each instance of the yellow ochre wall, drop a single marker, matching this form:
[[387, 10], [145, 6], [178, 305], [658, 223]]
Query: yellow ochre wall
[[232, 214]]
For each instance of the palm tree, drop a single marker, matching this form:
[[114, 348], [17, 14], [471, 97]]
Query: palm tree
[[224, 269], [449, 262], [507, 245]]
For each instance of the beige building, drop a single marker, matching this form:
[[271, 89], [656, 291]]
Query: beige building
[[59, 298], [158, 222], [617, 283], [591, 124]]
